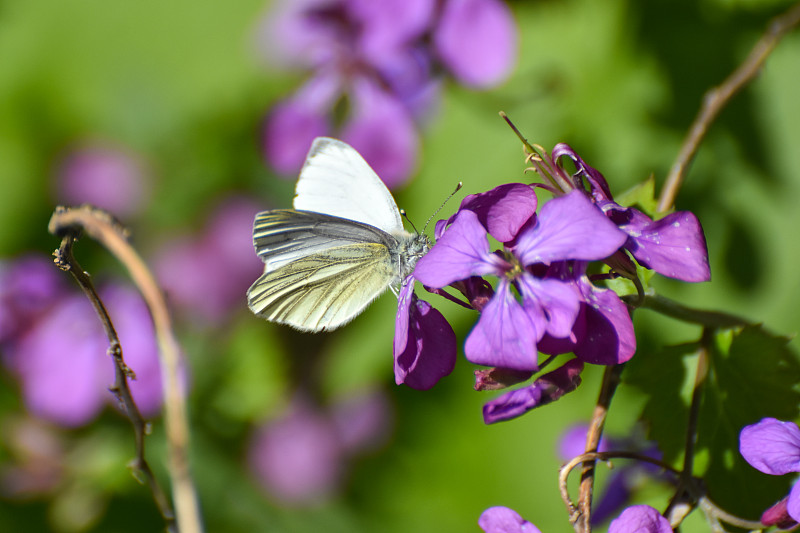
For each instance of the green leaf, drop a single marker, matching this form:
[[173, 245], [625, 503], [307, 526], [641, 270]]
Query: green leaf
[[642, 195], [752, 374], [754, 378]]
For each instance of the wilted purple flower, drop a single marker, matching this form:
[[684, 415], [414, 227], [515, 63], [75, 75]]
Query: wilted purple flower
[[544, 390], [298, 458], [640, 519], [673, 246], [567, 228], [62, 359], [773, 447], [207, 274], [504, 520], [381, 59], [424, 342], [107, 177]]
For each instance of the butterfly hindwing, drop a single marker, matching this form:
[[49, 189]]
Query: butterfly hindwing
[[325, 290]]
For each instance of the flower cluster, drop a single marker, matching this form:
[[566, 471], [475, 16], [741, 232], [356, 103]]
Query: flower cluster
[[381, 59], [53, 341], [544, 298]]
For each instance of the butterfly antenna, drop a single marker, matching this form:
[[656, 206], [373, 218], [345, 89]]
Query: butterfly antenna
[[458, 188], [405, 216]]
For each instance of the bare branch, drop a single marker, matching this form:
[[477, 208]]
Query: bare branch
[[718, 97], [102, 227]]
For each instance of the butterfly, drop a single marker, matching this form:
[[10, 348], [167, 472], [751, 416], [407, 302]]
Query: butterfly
[[341, 246]]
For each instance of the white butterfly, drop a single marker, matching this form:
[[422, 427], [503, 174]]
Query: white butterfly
[[340, 247]]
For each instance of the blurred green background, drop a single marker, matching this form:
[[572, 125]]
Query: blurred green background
[[180, 84]]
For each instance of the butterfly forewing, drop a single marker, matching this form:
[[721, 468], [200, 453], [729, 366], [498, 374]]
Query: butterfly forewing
[[337, 181], [283, 235], [323, 291]]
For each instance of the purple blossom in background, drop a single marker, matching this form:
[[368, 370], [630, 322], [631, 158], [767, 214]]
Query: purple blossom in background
[[567, 228], [206, 275], [773, 447], [63, 366], [640, 519], [504, 520], [110, 178], [29, 286], [363, 421], [382, 60], [298, 458], [424, 342], [619, 487]]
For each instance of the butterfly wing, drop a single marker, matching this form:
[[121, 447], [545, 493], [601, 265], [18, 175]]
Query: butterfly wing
[[336, 180], [320, 271]]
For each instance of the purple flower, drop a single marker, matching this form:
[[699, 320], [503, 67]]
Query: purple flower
[[106, 177], [380, 59], [63, 366], [546, 389], [567, 228], [773, 447], [206, 275], [504, 520], [297, 458], [640, 519], [424, 342], [673, 246]]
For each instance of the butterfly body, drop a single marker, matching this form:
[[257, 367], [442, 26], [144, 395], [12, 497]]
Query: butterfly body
[[322, 267]]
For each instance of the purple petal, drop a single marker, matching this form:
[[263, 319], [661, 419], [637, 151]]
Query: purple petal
[[771, 446], [569, 227], [297, 458], [293, 36], [424, 342], [505, 334], [104, 176], [674, 246], [383, 133], [62, 364], [544, 390], [389, 25], [477, 41], [597, 182], [616, 494], [463, 251], [608, 337], [293, 124], [793, 503], [573, 442], [504, 520], [640, 519], [559, 301], [503, 210], [408, 72]]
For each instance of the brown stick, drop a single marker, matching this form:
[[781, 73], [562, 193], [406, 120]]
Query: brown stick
[[718, 97], [102, 227]]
